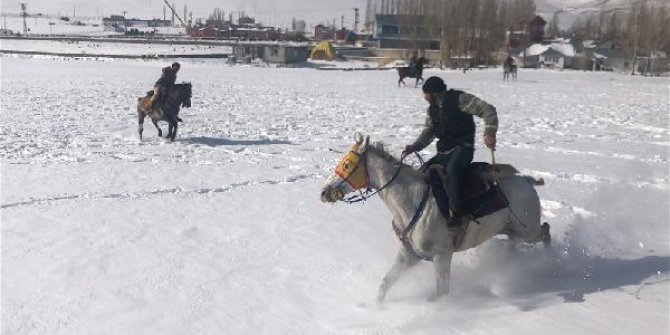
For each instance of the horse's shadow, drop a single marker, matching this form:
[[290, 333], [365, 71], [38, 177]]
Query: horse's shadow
[[215, 141], [529, 279]]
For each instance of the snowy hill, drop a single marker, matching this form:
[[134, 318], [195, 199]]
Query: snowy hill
[[570, 10]]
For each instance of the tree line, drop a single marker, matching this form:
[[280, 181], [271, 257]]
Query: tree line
[[465, 28], [643, 28], [477, 28]]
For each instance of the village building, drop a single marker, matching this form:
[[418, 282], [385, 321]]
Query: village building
[[284, 54], [121, 21], [405, 32], [322, 32], [558, 54]]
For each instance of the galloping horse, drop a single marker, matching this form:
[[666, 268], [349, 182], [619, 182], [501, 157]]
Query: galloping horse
[[176, 97], [417, 219], [407, 72], [509, 69]]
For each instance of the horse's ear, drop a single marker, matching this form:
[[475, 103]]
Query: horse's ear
[[358, 137], [363, 144]]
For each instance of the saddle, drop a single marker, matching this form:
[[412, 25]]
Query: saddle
[[481, 196], [146, 104]]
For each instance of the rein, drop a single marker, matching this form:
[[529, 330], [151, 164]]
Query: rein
[[403, 236]]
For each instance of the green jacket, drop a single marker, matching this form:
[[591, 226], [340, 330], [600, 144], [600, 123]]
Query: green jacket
[[451, 102]]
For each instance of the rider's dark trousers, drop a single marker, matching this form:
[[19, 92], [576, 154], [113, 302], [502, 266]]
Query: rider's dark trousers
[[456, 161]]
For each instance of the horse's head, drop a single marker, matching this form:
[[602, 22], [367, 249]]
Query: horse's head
[[350, 175], [185, 95]]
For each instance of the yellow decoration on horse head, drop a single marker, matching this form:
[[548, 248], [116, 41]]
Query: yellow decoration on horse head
[[352, 168]]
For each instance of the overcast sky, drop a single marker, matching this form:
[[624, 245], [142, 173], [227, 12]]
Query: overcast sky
[[270, 12]]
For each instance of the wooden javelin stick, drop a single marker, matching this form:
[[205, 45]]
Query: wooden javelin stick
[[495, 172]]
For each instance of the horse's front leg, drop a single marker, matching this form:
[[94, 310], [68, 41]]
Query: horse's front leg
[[140, 122], [403, 261], [160, 132], [172, 130], [442, 265]]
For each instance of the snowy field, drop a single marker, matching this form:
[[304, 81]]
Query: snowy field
[[223, 232], [49, 25], [53, 25], [108, 48]]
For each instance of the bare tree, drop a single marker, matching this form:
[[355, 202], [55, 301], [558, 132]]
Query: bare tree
[[636, 27], [553, 28]]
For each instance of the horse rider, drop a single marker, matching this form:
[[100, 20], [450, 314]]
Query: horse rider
[[164, 83], [509, 62], [413, 63], [450, 121]]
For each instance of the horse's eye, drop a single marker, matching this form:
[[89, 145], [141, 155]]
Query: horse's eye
[[346, 166]]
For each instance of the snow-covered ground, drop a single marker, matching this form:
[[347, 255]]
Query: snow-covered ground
[[46, 25], [223, 232], [110, 48]]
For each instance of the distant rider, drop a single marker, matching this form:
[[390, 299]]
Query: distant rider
[[509, 62], [164, 83], [413, 63], [450, 121]]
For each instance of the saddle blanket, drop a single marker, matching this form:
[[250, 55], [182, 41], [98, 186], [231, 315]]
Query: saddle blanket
[[484, 204]]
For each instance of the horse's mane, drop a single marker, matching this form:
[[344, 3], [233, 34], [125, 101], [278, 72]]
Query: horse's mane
[[378, 148]]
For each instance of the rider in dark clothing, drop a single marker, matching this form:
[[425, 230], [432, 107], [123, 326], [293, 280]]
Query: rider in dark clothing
[[163, 84], [413, 63], [450, 121], [509, 62]]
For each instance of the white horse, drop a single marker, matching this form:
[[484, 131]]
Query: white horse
[[417, 220]]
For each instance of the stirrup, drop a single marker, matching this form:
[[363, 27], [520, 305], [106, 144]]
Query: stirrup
[[458, 235], [458, 220]]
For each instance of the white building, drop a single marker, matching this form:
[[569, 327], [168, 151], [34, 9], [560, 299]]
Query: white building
[[558, 54]]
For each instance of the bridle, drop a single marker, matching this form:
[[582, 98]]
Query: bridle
[[359, 180]]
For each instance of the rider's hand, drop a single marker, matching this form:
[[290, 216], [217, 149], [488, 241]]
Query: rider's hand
[[408, 150], [490, 141]]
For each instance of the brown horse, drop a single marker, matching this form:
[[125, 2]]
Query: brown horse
[[177, 96], [408, 72]]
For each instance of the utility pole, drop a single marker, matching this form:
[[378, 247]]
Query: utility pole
[[356, 19], [125, 23], [185, 12], [342, 22], [24, 14], [174, 13]]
